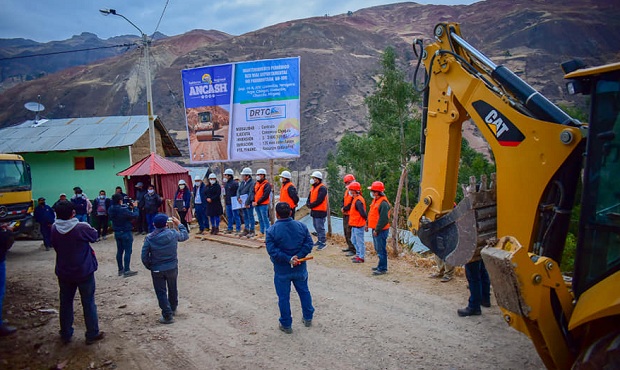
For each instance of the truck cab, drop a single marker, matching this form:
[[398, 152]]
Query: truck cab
[[16, 205]]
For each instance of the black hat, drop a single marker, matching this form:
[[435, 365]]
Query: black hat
[[41, 199]]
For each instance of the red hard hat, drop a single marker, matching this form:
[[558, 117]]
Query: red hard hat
[[348, 178], [355, 186], [377, 186]]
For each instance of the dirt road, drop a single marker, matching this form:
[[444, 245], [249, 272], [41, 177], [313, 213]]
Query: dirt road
[[227, 317]]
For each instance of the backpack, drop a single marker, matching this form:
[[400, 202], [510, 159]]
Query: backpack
[[80, 204]]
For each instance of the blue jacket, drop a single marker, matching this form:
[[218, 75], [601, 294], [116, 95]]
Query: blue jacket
[[44, 215], [121, 217], [159, 252], [75, 259], [187, 196], [285, 239]]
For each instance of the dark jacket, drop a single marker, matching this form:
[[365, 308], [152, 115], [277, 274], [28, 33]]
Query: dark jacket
[[6, 242], [246, 187], [140, 197], [107, 204], [159, 251], [80, 202], [231, 189], [75, 259], [44, 215], [285, 239], [187, 197], [121, 217], [151, 202], [200, 190], [214, 192]]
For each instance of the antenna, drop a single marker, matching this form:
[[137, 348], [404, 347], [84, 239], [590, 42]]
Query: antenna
[[35, 107]]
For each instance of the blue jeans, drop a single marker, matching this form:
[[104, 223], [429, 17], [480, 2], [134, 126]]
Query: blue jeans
[[165, 284], [200, 211], [248, 218], [380, 242], [215, 221], [2, 286], [357, 238], [87, 296], [283, 289], [319, 227], [479, 284], [46, 231], [149, 221], [82, 218], [233, 218], [263, 217], [124, 244]]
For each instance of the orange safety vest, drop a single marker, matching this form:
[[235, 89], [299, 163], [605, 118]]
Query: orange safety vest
[[373, 213], [284, 197], [314, 194], [355, 218], [347, 200], [259, 188]]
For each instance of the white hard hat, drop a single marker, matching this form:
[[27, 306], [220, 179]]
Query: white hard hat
[[229, 171], [197, 178], [246, 171], [261, 171], [286, 175], [212, 176], [181, 182], [317, 174]]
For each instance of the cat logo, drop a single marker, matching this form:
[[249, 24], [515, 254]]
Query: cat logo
[[506, 133]]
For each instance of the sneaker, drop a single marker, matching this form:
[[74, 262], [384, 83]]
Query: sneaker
[[486, 304], [244, 233], [307, 323], [321, 247], [347, 250], [375, 268], [379, 272], [287, 330], [6, 330], [250, 235], [129, 273], [464, 312], [436, 275], [445, 279], [350, 253], [97, 337], [358, 260], [120, 272], [164, 320]]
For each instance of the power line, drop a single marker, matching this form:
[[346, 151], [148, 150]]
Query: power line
[[160, 18], [66, 51]]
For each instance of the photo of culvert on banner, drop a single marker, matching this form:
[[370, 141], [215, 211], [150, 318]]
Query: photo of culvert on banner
[[260, 119]]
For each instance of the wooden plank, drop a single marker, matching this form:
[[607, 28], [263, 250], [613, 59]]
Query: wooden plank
[[232, 240]]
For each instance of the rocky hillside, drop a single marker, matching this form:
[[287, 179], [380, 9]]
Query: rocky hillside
[[340, 58]]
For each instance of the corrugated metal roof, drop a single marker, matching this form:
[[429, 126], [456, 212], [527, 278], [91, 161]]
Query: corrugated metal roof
[[76, 134], [153, 164]]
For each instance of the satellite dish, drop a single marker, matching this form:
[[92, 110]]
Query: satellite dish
[[34, 106]]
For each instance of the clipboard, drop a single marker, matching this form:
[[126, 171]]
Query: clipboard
[[235, 203]]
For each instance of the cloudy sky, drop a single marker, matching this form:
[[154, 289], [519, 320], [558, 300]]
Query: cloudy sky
[[48, 20]]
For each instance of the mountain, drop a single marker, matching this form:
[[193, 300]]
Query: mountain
[[340, 60]]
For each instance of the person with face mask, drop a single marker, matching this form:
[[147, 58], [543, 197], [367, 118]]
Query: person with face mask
[[182, 199], [45, 216], [200, 205], [213, 196], [317, 202], [379, 222], [141, 226], [152, 201], [230, 195], [357, 220], [262, 194], [346, 208], [246, 189], [288, 192], [100, 211]]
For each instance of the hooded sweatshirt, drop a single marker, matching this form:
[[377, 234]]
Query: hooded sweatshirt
[[75, 259], [159, 252]]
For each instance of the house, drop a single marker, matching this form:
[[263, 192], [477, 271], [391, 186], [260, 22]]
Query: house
[[85, 152]]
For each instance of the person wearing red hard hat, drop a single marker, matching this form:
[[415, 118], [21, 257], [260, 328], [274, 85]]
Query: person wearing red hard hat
[[357, 220], [346, 208], [379, 222]]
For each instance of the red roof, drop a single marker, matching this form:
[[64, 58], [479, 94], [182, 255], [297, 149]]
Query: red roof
[[153, 165]]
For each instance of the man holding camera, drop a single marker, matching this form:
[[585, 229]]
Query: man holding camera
[[121, 215]]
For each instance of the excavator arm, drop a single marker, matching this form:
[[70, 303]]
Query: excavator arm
[[538, 152]]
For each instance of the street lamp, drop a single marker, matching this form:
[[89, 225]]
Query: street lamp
[[149, 92]]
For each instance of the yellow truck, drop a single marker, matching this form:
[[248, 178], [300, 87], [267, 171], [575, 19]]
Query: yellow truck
[[16, 205]]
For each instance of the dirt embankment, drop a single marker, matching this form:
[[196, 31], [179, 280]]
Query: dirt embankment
[[228, 317]]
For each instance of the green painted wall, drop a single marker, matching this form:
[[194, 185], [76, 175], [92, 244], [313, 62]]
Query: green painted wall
[[54, 172]]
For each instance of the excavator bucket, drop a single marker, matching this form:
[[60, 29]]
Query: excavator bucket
[[462, 233]]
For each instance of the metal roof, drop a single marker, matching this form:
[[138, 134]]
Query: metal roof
[[79, 134], [153, 165]]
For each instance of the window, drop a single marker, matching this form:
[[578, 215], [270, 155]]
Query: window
[[84, 163]]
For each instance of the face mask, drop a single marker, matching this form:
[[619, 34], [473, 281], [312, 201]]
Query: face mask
[[351, 194], [151, 191], [225, 179], [102, 197], [212, 181], [311, 181], [181, 186], [282, 180], [372, 194], [197, 183]]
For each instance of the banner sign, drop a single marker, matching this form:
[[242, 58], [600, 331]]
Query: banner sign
[[243, 111]]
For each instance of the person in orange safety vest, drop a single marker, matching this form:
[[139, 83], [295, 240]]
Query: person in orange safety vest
[[346, 207], [379, 222], [288, 192], [357, 220]]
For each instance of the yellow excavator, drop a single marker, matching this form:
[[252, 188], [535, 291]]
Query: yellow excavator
[[519, 218]]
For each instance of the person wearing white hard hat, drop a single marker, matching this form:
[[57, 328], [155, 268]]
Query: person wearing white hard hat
[[230, 195], [200, 204], [213, 196], [182, 199], [317, 202], [288, 192], [245, 197], [262, 193]]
